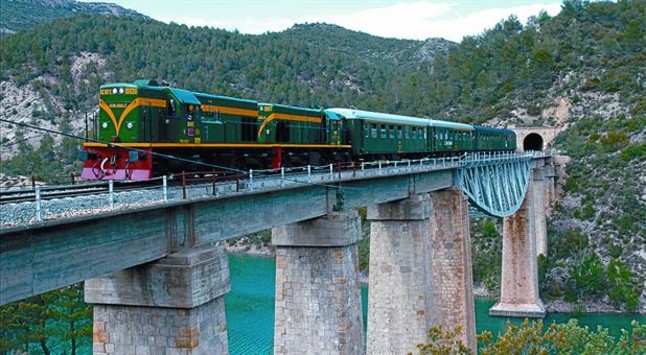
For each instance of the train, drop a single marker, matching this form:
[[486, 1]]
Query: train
[[146, 129]]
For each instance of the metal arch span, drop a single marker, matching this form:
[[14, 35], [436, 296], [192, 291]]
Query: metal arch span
[[496, 186]]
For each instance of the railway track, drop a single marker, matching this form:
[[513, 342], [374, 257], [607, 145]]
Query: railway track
[[58, 192], [103, 187]]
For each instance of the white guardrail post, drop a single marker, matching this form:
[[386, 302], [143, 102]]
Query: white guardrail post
[[111, 193], [39, 211], [165, 188], [309, 173], [282, 176], [250, 179]]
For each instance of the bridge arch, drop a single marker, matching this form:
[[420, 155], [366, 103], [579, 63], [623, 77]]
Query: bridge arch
[[533, 141]]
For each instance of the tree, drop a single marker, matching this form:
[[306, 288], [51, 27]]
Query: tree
[[59, 315], [562, 338], [441, 341], [73, 316]]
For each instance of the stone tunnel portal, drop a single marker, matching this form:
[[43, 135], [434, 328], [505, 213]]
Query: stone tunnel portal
[[533, 141]]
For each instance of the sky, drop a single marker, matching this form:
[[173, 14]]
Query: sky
[[403, 19]]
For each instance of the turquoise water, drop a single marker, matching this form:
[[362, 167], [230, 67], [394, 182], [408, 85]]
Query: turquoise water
[[250, 309]]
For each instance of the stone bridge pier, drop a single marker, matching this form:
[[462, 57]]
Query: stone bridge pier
[[171, 306], [519, 285], [420, 271], [318, 294]]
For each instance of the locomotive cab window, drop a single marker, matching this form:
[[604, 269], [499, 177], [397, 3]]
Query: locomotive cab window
[[171, 107]]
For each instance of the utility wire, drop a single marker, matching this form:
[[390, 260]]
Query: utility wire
[[167, 156], [14, 142]]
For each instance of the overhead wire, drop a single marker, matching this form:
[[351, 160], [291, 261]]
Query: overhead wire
[[161, 155]]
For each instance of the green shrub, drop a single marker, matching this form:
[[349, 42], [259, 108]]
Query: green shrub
[[569, 243], [589, 276], [633, 151], [534, 110], [616, 250], [587, 212], [614, 140], [591, 84], [620, 285]]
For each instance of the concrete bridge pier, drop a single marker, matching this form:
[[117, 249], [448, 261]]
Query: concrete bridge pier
[[400, 297], [174, 305], [540, 210], [519, 286], [420, 271], [452, 267], [318, 295], [550, 187]]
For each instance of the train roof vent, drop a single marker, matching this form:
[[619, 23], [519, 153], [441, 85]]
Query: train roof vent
[[146, 82]]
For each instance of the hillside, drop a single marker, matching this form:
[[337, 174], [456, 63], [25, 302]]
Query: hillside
[[18, 15], [583, 69], [374, 50]]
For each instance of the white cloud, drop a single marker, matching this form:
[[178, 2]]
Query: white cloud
[[397, 21], [477, 22], [194, 21], [417, 20], [421, 20]]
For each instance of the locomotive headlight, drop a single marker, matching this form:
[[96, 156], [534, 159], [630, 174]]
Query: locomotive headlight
[[129, 125], [114, 91], [104, 125], [120, 90]]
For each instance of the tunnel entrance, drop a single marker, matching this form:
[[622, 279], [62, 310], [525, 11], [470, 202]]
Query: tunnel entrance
[[533, 141]]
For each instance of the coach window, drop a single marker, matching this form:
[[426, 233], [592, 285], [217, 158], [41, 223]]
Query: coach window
[[373, 129], [407, 132], [399, 132]]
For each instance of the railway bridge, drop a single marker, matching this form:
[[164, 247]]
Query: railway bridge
[[157, 279]]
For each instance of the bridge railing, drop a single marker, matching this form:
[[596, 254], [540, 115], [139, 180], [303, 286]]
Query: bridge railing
[[191, 185]]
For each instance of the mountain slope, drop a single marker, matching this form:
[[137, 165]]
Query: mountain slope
[[22, 14]]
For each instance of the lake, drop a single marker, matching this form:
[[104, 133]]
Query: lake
[[250, 308]]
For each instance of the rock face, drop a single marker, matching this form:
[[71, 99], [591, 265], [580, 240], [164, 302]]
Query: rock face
[[431, 48], [22, 14], [39, 104]]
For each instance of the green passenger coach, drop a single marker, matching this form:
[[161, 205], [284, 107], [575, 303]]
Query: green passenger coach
[[379, 135]]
